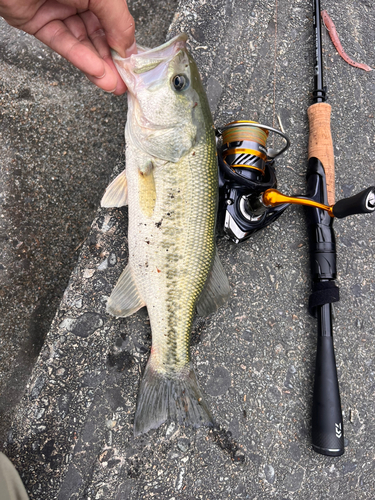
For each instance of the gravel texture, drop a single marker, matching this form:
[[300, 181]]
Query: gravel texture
[[71, 436]]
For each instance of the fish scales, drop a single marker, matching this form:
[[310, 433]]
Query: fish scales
[[171, 186], [163, 249]]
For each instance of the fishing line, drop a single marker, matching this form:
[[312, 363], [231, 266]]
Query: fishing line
[[325, 50], [244, 146], [274, 76]]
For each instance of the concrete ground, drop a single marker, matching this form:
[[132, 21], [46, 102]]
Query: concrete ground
[[71, 433]]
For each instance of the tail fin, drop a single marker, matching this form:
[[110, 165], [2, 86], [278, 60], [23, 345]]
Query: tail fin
[[164, 398]]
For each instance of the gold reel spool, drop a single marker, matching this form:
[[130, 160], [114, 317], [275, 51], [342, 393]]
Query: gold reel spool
[[245, 145]]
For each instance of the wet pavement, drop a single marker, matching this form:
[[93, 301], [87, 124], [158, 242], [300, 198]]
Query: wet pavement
[[71, 434]]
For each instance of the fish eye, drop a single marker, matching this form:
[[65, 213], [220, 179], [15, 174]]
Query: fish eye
[[180, 82]]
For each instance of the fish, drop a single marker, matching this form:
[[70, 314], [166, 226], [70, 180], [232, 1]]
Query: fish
[[170, 184]]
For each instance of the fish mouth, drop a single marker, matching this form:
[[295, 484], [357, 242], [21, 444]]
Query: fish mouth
[[179, 40], [135, 67], [164, 51]]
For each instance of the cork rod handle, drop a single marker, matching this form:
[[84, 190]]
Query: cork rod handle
[[320, 143]]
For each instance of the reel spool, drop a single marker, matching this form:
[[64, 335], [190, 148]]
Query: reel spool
[[244, 148], [246, 170]]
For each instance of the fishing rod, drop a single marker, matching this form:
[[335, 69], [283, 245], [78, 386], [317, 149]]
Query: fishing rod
[[327, 427], [249, 202], [327, 424]]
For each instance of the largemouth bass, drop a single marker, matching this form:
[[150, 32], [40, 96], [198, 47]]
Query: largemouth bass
[[171, 187]]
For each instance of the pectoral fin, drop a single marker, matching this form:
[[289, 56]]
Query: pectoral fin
[[125, 298], [146, 190], [216, 290], [116, 194]]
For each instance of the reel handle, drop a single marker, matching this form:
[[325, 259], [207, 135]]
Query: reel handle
[[360, 203]]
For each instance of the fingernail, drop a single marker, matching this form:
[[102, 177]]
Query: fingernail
[[131, 50], [100, 77], [111, 91]]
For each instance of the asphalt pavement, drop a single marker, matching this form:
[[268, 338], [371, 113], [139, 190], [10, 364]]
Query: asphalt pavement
[[70, 373]]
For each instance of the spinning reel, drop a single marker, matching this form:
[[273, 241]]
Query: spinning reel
[[246, 171], [248, 198]]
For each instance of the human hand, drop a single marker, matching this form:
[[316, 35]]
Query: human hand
[[82, 31]]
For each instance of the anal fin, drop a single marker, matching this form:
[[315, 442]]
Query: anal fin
[[125, 298], [216, 291], [146, 189]]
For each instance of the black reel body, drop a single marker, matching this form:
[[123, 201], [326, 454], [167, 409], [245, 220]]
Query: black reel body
[[246, 170]]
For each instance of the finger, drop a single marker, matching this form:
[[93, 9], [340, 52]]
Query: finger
[[78, 29], [99, 40], [50, 10], [117, 22], [114, 15], [96, 33], [119, 88], [57, 36]]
